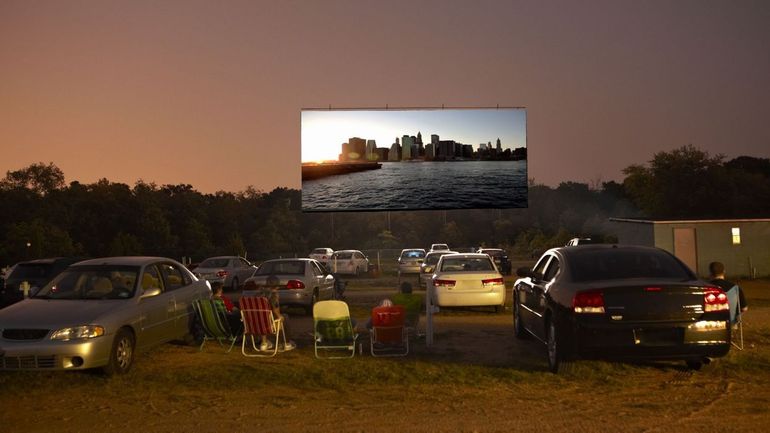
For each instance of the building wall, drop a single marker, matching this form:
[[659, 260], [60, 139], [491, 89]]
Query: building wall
[[750, 258]]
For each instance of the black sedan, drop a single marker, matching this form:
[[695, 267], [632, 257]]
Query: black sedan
[[613, 301]]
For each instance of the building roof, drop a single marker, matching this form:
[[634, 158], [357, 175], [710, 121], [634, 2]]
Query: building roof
[[689, 221]]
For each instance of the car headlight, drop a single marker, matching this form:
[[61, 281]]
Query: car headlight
[[78, 332]]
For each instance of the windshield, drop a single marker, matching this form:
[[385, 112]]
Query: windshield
[[413, 254], [86, 282], [611, 264], [282, 268], [29, 271], [466, 264], [432, 259]]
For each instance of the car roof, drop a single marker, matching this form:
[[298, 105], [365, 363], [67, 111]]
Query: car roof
[[467, 255], [124, 261], [347, 251], [222, 257], [291, 259]]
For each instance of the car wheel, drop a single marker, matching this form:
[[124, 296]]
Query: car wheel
[[694, 365], [518, 326], [235, 285], [122, 353], [555, 349]]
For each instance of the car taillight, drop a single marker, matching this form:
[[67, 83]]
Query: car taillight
[[295, 284], [588, 302], [714, 299], [221, 273], [491, 282], [443, 283]]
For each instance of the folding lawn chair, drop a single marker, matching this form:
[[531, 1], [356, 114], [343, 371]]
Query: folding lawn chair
[[412, 303], [736, 324], [214, 323], [333, 330], [258, 320], [389, 336]]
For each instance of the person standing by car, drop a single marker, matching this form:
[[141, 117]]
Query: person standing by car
[[270, 291], [717, 276]]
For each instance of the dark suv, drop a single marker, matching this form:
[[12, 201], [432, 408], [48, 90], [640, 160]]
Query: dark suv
[[500, 257], [36, 272]]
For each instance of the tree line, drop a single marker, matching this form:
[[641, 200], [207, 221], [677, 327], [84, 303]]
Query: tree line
[[45, 217]]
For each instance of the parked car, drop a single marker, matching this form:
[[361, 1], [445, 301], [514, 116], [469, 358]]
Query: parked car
[[428, 266], [468, 280], [500, 257], [410, 260], [580, 241], [36, 273], [231, 271], [304, 281], [100, 313], [620, 301], [439, 247], [321, 254], [348, 262]]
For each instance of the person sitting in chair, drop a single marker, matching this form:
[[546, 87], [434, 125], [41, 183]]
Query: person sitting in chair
[[270, 291], [412, 304], [717, 276], [224, 304]]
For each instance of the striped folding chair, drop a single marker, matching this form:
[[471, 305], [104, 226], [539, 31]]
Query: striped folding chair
[[258, 321], [214, 323]]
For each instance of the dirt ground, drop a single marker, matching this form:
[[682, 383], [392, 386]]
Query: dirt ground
[[732, 394]]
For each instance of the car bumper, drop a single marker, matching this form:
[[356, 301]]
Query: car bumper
[[295, 297], [409, 269], [683, 340], [448, 298], [55, 355]]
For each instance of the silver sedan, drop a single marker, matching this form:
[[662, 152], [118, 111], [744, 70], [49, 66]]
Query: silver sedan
[[303, 281], [99, 313]]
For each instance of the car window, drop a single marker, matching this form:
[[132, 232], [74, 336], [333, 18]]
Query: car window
[[539, 268], [551, 270], [317, 270], [466, 264], [151, 278], [282, 268], [342, 256], [612, 264], [413, 254], [173, 277], [25, 271], [213, 263]]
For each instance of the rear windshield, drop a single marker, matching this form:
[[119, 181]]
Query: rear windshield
[[466, 264], [432, 259], [214, 263], [413, 254], [282, 268], [24, 271], [611, 264], [494, 253], [319, 251]]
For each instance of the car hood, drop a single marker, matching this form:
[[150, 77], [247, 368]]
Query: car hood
[[53, 313]]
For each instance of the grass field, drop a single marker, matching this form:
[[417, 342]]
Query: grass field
[[476, 377]]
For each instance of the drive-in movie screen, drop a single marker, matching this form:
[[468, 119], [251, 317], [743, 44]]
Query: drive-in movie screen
[[414, 159]]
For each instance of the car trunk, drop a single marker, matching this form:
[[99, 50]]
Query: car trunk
[[469, 281], [654, 303]]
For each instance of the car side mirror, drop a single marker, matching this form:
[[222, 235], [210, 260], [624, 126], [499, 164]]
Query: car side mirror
[[524, 272], [149, 293]]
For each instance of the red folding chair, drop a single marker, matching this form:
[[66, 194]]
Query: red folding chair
[[258, 321], [389, 336]]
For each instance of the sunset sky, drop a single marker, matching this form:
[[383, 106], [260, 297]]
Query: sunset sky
[[211, 93], [324, 131]]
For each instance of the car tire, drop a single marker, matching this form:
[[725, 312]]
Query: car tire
[[121, 354], [518, 327], [235, 285], [555, 346], [694, 365]]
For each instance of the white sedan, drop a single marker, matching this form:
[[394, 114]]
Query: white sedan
[[349, 262], [468, 280]]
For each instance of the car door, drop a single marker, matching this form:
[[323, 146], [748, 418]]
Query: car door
[[318, 276], [527, 291], [178, 286], [245, 269], [540, 303], [157, 317]]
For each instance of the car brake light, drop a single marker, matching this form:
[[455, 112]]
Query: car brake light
[[591, 301], [295, 284], [492, 282], [652, 289], [715, 299], [221, 273], [443, 283]]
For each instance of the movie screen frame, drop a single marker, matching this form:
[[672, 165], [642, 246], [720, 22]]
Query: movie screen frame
[[393, 159]]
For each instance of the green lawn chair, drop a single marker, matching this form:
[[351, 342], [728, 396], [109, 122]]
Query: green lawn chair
[[333, 330], [214, 323]]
